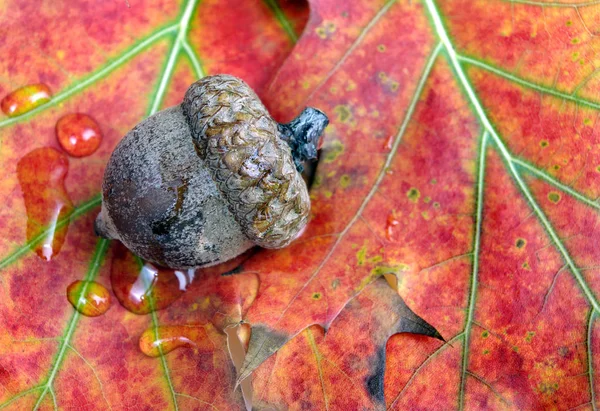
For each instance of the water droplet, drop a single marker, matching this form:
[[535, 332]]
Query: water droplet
[[391, 223], [389, 143], [142, 287], [41, 174], [164, 339], [25, 99], [88, 297], [78, 134]]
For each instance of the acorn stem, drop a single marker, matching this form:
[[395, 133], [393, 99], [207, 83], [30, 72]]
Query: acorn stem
[[303, 135]]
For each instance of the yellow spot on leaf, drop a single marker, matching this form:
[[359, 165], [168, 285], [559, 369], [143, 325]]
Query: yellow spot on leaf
[[529, 336], [345, 181], [413, 194], [361, 255], [332, 151], [389, 269], [506, 27], [325, 30], [554, 197], [343, 112]]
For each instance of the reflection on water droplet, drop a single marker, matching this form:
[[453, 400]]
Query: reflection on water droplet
[[78, 134], [164, 339], [41, 174], [389, 143], [88, 297], [185, 278], [25, 99]]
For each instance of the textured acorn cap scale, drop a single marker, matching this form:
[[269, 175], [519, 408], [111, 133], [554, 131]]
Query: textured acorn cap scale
[[198, 184]]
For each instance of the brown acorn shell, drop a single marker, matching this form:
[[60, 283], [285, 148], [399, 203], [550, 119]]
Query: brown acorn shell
[[252, 167]]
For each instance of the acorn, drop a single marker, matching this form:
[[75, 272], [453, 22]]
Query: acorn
[[200, 183]]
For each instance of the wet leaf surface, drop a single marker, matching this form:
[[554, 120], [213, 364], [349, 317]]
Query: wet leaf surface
[[462, 159], [116, 64]]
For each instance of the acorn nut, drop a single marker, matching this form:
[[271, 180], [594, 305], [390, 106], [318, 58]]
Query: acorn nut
[[200, 183]]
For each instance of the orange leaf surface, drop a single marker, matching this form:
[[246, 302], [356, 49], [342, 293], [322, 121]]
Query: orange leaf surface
[[116, 63], [462, 157]]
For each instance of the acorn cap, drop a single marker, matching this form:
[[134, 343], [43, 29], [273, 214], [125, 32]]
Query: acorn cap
[[250, 162]]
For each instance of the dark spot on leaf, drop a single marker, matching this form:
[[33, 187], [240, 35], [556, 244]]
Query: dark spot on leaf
[[374, 382], [520, 243]]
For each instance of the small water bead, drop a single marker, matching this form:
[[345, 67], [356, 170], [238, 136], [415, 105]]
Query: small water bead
[[41, 174], [389, 143], [164, 339], [88, 297], [78, 134], [391, 223], [25, 99]]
